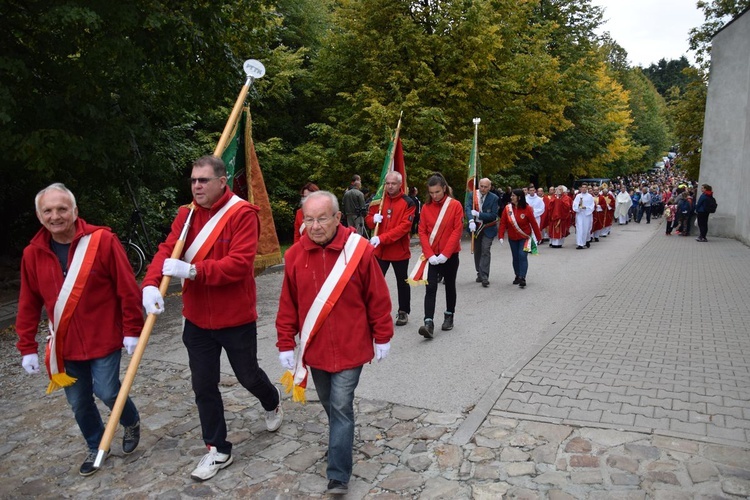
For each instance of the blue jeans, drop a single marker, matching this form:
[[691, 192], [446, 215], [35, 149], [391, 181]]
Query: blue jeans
[[647, 211], [520, 258], [336, 393], [100, 377]]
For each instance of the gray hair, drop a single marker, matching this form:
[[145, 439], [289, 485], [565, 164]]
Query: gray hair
[[57, 186], [324, 194]]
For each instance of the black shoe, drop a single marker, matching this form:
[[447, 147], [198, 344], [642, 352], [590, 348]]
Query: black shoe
[[522, 283], [337, 487], [517, 280], [588, 244], [402, 319], [131, 438], [87, 467], [479, 279], [447, 322], [579, 247], [427, 329], [596, 240], [485, 283]]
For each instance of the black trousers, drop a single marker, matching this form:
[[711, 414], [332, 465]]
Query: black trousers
[[448, 271], [401, 270], [204, 355], [702, 224]]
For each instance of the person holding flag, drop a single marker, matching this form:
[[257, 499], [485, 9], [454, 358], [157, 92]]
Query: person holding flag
[[391, 219], [81, 275], [334, 296], [219, 304], [483, 225]]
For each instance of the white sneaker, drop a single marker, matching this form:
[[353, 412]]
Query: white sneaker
[[275, 416], [210, 464]]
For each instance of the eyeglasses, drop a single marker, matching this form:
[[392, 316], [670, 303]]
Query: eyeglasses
[[201, 180], [310, 222]]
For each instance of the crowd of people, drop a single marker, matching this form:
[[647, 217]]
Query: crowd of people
[[335, 312]]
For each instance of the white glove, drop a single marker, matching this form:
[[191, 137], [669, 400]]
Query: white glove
[[381, 351], [475, 213], [472, 226], [176, 268], [286, 358], [153, 302], [375, 241], [434, 261], [129, 344], [30, 363], [501, 241], [377, 218], [442, 259]]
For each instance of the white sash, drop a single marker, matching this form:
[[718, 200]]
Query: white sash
[[202, 236]]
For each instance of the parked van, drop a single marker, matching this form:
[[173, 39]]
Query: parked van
[[595, 181]]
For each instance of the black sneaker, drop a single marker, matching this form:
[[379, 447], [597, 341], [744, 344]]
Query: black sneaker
[[87, 467], [447, 322], [402, 319], [427, 330], [485, 283], [522, 283], [515, 281], [479, 279], [131, 438], [337, 487]]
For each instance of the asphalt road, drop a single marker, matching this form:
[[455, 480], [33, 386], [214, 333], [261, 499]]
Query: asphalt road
[[495, 327]]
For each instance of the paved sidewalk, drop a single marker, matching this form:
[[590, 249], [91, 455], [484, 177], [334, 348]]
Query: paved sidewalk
[[643, 394], [664, 349]]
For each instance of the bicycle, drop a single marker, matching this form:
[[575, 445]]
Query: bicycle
[[137, 256]]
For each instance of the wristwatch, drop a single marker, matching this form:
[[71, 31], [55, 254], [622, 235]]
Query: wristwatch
[[193, 272]]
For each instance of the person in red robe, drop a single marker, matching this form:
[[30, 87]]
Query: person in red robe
[[560, 207], [609, 213], [600, 208]]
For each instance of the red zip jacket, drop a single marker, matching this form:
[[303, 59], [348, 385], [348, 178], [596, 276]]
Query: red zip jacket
[[110, 304], [448, 240], [223, 293], [361, 315], [525, 220], [395, 230]]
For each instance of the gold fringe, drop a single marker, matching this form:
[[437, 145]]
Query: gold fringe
[[287, 380], [298, 394], [416, 282], [58, 381]]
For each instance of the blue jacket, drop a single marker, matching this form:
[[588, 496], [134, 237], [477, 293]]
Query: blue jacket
[[487, 214]]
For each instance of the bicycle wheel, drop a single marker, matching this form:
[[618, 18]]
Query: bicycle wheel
[[136, 257]]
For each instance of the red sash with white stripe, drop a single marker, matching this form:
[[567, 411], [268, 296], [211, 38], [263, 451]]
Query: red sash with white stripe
[[418, 275], [329, 293], [67, 300]]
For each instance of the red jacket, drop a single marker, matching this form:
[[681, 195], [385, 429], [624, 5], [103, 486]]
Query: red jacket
[[448, 240], [395, 230], [361, 315], [525, 220], [297, 224], [223, 293], [110, 304]]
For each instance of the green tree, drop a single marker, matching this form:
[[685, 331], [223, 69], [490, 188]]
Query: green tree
[[667, 74], [688, 115], [717, 13]]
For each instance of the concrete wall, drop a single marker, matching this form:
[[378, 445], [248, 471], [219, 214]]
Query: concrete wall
[[725, 159]]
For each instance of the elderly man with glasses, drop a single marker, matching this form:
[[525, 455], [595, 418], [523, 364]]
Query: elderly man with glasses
[[219, 303], [334, 296]]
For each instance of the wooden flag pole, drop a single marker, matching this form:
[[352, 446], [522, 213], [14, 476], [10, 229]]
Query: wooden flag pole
[[253, 69], [390, 162]]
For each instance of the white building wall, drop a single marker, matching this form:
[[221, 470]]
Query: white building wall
[[725, 158]]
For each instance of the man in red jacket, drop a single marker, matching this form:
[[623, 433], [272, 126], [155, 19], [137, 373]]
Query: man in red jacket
[[395, 216], [82, 277], [219, 301], [335, 297]]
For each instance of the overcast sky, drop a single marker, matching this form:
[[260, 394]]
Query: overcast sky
[[650, 30]]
